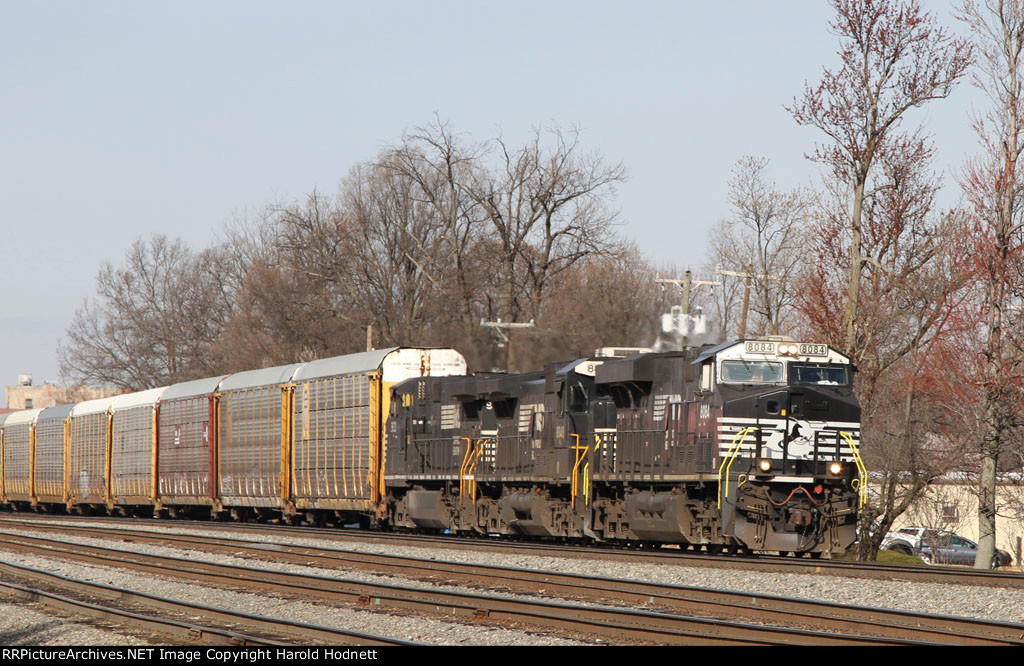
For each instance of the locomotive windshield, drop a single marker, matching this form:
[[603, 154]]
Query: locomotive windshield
[[752, 372], [818, 373]]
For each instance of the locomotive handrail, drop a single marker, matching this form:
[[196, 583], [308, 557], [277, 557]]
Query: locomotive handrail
[[734, 450], [470, 471], [465, 463], [576, 467], [862, 470]]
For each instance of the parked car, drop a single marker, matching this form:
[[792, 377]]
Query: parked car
[[939, 547]]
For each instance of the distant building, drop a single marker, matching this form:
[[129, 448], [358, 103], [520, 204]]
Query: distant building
[[951, 503], [27, 396]]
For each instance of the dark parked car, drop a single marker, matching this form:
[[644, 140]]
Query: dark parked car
[[939, 547]]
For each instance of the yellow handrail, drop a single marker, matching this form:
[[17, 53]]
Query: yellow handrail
[[465, 462], [862, 470], [576, 467], [734, 450], [471, 483]]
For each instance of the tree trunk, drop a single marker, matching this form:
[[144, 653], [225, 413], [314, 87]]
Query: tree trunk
[[853, 287]]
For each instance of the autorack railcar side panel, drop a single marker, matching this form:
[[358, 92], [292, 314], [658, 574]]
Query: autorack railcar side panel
[[339, 406], [133, 447], [51, 440], [251, 440], [331, 430], [18, 455], [186, 461], [88, 448]]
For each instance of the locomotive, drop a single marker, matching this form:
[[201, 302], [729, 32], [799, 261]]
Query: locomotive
[[751, 445], [748, 445]]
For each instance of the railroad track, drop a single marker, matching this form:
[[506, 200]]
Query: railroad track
[[609, 623], [739, 607], [664, 556], [214, 626]]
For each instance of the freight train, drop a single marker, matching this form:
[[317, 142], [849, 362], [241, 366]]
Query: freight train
[[750, 445]]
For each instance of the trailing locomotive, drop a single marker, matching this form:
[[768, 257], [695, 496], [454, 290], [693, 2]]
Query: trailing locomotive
[[749, 445]]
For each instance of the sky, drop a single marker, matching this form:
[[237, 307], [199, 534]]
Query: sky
[[120, 120]]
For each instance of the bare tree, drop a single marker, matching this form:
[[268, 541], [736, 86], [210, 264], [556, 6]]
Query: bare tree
[[392, 244], [760, 247], [603, 301], [297, 298], [440, 165], [993, 186], [894, 58], [420, 244], [154, 321], [547, 209]]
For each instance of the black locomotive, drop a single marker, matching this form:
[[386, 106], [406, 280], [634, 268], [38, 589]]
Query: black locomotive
[[748, 445]]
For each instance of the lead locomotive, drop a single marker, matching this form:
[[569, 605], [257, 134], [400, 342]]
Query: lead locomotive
[[748, 445]]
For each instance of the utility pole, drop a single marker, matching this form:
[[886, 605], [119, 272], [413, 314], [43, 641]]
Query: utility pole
[[498, 326], [682, 322], [747, 276], [686, 285]]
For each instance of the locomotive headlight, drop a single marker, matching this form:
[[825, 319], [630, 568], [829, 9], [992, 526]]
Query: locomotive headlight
[[765, 465], [835, 468], [787, 349]]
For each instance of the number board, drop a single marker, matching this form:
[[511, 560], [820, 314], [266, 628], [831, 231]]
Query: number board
[[759, 347], [813, 350]]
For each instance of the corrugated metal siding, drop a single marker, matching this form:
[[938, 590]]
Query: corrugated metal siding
[[250, 446], [131, 461], [331, 438], [88, 457], [17, 461], [184, 454], [50, 460]]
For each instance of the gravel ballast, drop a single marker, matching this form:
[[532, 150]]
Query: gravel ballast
[[947, 599]]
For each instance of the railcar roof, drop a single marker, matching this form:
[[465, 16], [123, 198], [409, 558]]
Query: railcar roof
[[59, 412], [26, 416], [193, 388], [92, 407], [281, 374], [344, 365], [139, 399]]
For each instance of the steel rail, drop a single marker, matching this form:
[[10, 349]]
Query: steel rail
[[296, 631], [824, 616], [621, 624], [661, 557]]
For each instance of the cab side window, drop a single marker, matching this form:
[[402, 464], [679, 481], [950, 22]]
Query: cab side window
[[705, 376]]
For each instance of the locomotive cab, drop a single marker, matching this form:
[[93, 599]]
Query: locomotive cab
[[789, 469]]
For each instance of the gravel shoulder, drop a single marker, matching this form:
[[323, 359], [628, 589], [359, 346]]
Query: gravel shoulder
[[960, 600]]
